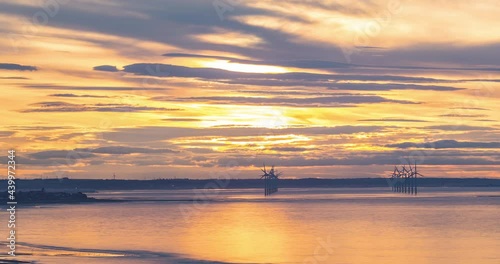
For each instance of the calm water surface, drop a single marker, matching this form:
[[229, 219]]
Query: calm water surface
[[454, 225]]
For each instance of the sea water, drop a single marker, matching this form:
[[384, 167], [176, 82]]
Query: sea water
[[337, 225]]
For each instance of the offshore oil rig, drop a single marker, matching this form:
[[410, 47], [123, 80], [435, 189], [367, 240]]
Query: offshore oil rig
[[270, 180], [403, 180]]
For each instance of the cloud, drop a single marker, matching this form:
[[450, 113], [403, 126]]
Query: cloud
[[183, 119], [13, 78], [486, 120], [325, 101], [68, 107], [290, 149], [107, 68], [391, 120], [44, 163], [390, 70], [41, 128], [281, 79], [85, 153], [476, 55], [390, 86], [389, 159], [324, 64], [158, 133], [445, 144], [79, 95], [17, 67], [459, 127], [61, 154], [304, 64], [93, 88], [471, 108], [6, 133], [185, 19], [285, 32], [333, 84], [461, 115], [121, 150]]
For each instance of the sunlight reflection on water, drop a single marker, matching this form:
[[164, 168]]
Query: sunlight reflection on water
[[294, 226]]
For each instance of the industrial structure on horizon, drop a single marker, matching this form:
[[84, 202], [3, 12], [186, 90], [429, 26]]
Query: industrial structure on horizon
[[405, 180], [270, 180]]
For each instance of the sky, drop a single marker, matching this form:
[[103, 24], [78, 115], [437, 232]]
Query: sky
[[216, 88]]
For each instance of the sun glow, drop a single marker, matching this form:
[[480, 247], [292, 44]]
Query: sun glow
[[240, 67]]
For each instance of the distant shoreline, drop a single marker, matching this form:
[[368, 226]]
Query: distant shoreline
[[89, 185]]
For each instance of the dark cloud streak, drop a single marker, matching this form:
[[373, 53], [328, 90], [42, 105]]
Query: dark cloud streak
[[325, 101], [68, 107], [446, 144], [17, 67]]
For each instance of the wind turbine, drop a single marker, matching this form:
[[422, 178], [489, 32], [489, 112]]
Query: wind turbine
[[265, 172], [404, 179], [416, 174], [393, 179], [406, 174], [270, 180]]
